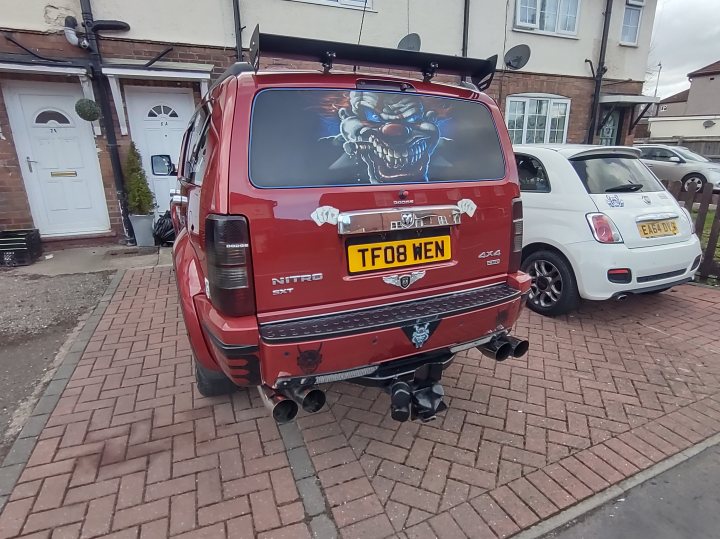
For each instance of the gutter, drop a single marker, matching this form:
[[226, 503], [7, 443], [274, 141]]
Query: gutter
[[599, 73], [238, 30], [100, 82], [466, 31]]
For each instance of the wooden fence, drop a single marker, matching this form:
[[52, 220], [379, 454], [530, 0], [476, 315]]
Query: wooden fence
[[706, 216]]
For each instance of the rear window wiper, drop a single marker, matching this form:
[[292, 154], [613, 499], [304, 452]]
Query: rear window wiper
[[627, 188]]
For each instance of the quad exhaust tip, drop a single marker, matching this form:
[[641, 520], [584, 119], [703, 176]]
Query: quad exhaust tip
[[284, 407], [311, 399], [502, 347]]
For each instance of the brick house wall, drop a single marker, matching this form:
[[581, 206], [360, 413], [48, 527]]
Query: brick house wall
[[14, 206]]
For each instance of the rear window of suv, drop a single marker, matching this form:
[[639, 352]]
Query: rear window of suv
[[314, 138], [615, 174]]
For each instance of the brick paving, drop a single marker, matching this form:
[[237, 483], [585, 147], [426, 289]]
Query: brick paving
[[132, 450]]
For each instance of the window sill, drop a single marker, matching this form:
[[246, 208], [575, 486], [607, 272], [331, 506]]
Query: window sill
[[333, 4], [543, 33], [631, 45]]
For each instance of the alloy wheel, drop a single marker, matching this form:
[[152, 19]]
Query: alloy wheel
[[546, 288]]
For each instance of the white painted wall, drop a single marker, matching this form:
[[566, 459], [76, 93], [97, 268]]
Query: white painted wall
[[686, 127], [210, 22]]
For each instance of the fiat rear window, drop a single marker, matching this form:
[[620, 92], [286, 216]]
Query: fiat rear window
[[615, 174], [314, 138]]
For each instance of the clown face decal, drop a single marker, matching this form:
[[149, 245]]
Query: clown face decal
[[392, 134]]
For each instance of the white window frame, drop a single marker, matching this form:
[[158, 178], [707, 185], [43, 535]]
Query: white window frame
[[629, 6], [551, 99], [526, 26], [348, 4]]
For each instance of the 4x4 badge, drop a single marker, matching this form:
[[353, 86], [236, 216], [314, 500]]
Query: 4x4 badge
[[404, 281]]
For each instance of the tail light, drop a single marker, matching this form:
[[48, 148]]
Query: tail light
[[516, 238], [229, 265], [603, 229]]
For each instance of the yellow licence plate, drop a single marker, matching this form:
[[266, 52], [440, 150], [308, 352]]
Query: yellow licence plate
[[398, 254], [657, 229]]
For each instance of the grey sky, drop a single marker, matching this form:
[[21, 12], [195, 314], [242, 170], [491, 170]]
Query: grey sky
[[686, 37]]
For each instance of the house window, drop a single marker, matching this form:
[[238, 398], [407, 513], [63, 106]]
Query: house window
[[527, 13], [533, 120], [357, 4], [631, 25], [549, 16]]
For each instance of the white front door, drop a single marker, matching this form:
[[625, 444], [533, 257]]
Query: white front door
[[158, 119], [58, 158]]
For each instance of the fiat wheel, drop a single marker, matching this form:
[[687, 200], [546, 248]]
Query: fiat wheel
[[553, 290]]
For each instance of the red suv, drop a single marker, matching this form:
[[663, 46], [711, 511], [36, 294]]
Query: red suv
[[350, 227]]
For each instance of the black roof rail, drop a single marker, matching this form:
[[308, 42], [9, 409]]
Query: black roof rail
[[480, 71]]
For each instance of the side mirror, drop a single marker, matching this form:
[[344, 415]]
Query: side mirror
[[675, 159], [162, 165]]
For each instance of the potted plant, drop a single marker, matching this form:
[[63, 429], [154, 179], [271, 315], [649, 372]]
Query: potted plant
[[140, 200]]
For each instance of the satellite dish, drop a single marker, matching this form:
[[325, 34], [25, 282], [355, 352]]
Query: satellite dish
[[254, 49], [410, 42], [517, 57]]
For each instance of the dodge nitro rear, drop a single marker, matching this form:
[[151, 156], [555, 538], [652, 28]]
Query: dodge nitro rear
[[347, 227]]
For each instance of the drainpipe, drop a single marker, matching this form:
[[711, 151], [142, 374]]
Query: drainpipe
[[101, 88], [599, 73], [466, 31], [238, 31]]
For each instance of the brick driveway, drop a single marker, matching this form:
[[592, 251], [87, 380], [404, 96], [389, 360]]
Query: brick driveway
[[132, 450]]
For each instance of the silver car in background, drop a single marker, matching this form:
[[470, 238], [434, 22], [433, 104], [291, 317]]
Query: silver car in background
[[675, 163]]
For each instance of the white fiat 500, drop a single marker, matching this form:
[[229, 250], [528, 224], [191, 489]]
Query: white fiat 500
[[599, 225]]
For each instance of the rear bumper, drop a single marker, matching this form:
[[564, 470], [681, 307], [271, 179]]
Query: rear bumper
[[357, 344], [652, 268]]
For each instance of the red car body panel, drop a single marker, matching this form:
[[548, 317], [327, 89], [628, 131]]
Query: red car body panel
[[285, 241]]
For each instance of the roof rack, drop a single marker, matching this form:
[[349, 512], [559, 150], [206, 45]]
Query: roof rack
[[480, 71]]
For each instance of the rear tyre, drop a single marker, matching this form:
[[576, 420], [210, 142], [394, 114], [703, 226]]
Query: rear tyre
[[212, 383], [554, 288], [693, 181]]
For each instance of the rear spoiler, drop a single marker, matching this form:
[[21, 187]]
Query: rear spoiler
[[607, 151], [480, 71]]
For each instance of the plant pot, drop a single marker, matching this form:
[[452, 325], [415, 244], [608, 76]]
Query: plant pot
[[143, 228]]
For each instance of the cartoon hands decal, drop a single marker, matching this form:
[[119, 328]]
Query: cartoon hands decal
[[467, 206], [325, 214]]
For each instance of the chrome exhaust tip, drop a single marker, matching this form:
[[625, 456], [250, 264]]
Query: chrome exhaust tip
[[311, 399], [520, 347], [498, 348], [621, 297], [282, 408]]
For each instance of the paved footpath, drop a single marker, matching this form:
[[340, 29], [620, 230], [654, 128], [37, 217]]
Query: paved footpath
[[123, 446], [680, 503]]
